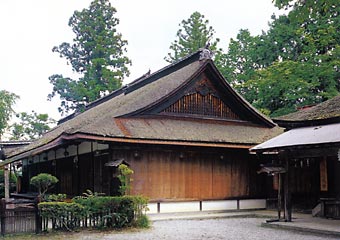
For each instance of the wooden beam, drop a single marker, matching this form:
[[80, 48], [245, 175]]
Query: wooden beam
[[314, 152]]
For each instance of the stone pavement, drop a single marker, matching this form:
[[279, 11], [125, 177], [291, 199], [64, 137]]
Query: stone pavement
[[300, 222], [309, 224]]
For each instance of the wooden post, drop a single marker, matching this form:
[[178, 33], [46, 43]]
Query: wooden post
[[279, 197], [287, 194], [3, 216], [6, 179], [38, 220]]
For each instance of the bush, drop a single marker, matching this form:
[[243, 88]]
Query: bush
[[97, 211], [60, 197], [142, 222], [125, 179], [115, 212], [63, 215]]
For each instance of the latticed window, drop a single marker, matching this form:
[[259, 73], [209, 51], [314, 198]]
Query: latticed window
[[205, 105]]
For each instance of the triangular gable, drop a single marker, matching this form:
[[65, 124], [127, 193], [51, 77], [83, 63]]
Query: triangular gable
[[206, 94], [202, 99]]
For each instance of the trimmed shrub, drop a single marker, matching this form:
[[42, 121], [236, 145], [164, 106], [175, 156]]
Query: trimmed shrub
[[92, 210], [106, 211], [142, 222], [60, 197], [63, 215], [43, 182]]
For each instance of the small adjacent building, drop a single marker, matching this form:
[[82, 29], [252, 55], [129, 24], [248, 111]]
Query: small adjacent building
[[8, 146], [309, 150], [183, 130]]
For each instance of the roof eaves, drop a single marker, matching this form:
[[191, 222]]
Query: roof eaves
[[242, 100], [289, 124]]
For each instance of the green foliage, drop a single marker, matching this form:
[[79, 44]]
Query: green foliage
[[295, 63], [43, 182], [284, 86], [194, 33], [117, 212], [63, 215], [241, 60], [143, 222], [96, 211], [7, 100], [96, 54], [31, 126], [125, 179], [140, 207], [55, 197]]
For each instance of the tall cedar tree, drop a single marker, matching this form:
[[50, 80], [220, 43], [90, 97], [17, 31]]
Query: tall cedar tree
[[295, 63], [194, 33], [7, 101], [97, 54]]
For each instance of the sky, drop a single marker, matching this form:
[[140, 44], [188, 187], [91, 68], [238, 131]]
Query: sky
[[31, 28]]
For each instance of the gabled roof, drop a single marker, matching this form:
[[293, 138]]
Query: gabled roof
[[324, 113], [310, 127], [303, 137], [6, 147], [122, 115]]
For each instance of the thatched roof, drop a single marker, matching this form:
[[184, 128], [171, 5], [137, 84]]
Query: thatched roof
[[323, 113], [115, 117]]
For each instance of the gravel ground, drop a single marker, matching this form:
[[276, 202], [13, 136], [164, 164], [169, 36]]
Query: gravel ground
[[231, 228]]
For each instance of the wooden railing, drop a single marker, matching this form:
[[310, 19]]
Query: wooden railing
[[19, 216]]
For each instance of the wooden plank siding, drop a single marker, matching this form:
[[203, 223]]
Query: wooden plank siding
[[164, 175]]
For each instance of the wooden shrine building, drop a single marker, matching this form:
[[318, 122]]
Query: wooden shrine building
[[183, 130], [309, 151]]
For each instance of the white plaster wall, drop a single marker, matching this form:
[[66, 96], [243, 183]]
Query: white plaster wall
[[152, 208], [51, 155], [219, 205], [84, 147], [213, 205], [179, 207], [60, 153], [252, 203], [99, 146]]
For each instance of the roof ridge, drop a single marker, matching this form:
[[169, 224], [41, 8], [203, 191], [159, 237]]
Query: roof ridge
[[139, 82]]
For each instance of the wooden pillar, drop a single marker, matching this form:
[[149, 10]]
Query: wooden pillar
[[3, 216], [287, 192], [75, 177], [6, 182], [279, 196]]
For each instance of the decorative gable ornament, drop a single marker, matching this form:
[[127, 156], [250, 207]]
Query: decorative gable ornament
[[205, 54]]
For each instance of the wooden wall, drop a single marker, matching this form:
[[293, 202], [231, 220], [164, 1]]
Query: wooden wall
[[168, 173], [163, 174]]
